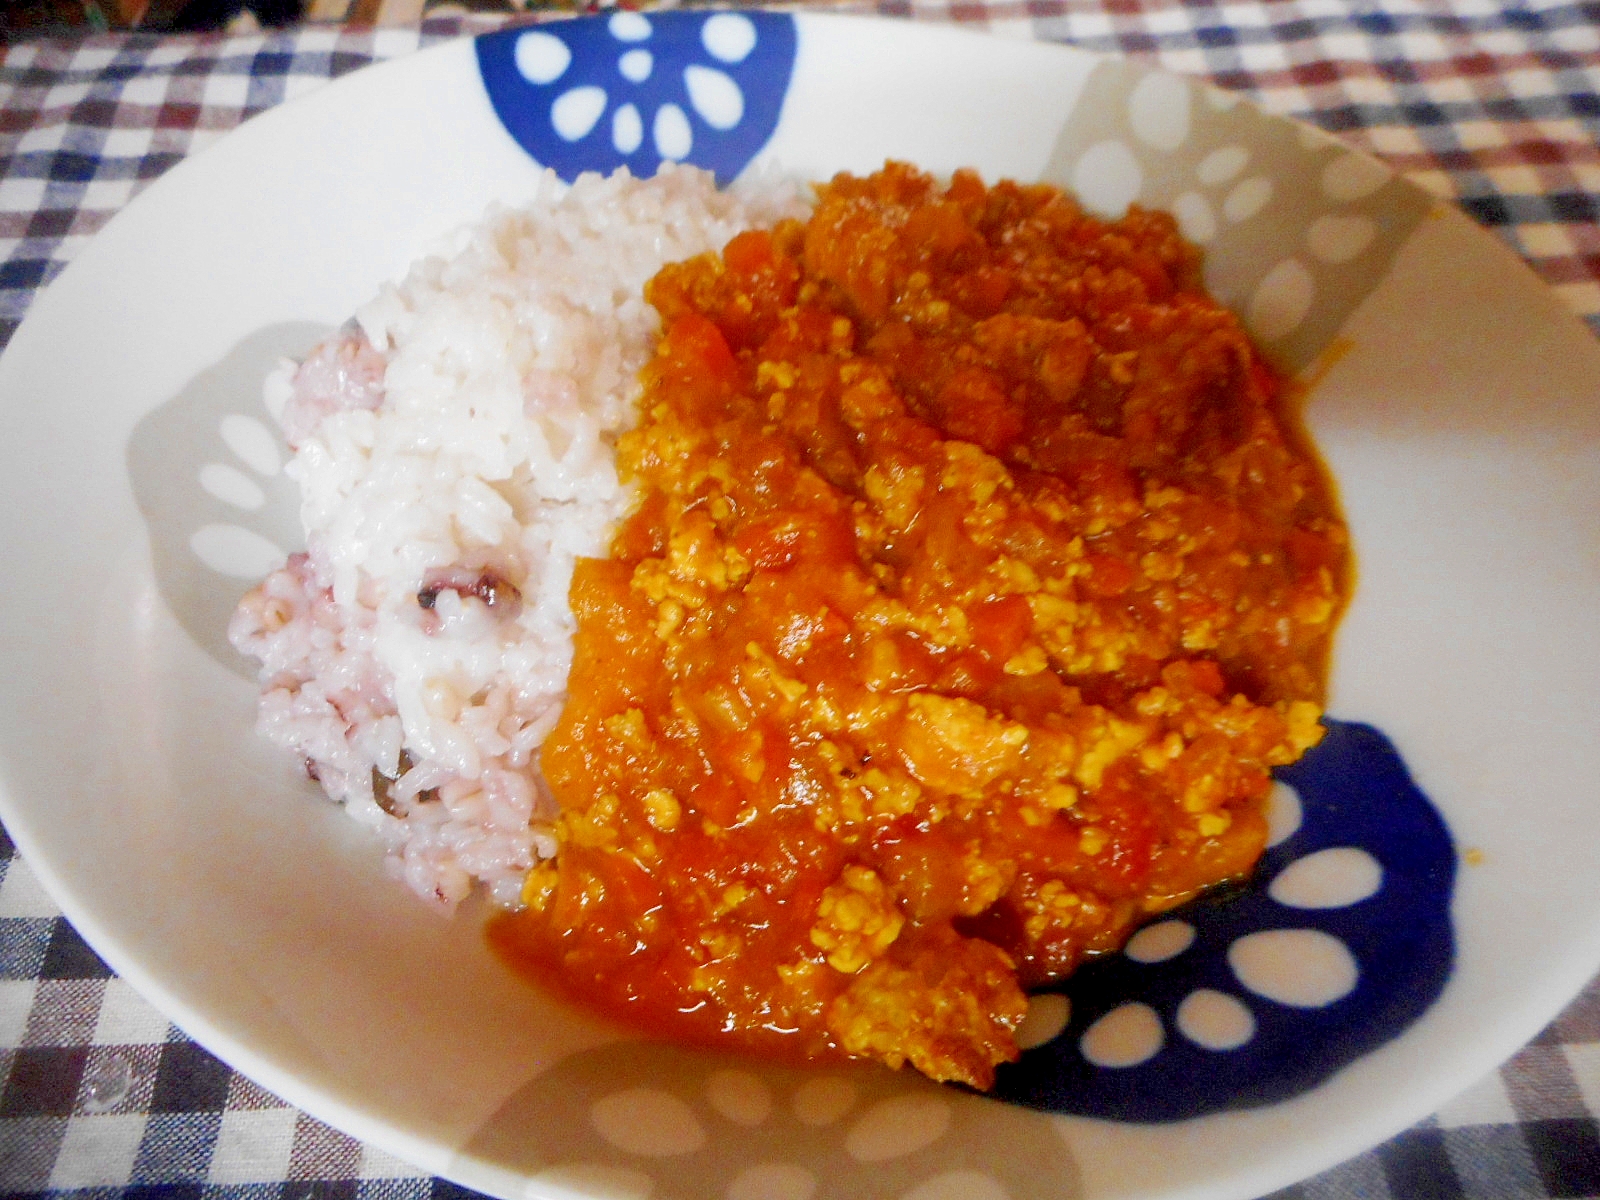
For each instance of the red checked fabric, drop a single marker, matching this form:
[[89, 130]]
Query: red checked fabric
[[1495, 106]]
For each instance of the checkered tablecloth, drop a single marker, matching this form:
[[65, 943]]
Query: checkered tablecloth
[[1493, 105]]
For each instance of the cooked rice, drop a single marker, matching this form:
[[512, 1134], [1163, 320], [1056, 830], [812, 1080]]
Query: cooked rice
[[454, 447]]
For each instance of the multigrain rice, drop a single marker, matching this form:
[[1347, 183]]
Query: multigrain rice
[[454, 448]]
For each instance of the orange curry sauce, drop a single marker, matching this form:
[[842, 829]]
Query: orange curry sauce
[[975, 583]]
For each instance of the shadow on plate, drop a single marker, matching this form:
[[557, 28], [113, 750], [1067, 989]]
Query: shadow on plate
[[644, 1119], [207, 473]]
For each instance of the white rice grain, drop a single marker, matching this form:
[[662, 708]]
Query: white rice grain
[[455, 453]]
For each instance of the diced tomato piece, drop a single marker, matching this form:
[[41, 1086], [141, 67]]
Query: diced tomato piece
[[1001, 625], [697, 345], [1107, 576], [973, 406], [749, 252]]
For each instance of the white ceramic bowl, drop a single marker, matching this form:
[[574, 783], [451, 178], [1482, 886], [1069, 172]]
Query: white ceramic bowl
[[1455, 401]]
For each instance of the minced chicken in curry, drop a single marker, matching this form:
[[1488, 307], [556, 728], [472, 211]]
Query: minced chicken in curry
[[975, 584]]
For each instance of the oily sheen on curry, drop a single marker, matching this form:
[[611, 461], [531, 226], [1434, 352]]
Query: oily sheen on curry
[[975, 579]]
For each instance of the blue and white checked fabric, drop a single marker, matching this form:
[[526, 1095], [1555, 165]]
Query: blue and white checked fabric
[[1495, 106]]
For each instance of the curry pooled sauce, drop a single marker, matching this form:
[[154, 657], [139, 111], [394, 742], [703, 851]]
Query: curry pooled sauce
[[976, 581]]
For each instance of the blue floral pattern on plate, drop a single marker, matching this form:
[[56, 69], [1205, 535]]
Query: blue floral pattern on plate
[[635, 90], [1341, 940]]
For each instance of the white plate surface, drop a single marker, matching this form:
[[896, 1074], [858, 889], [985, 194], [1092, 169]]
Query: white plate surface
[[1456, 402]]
